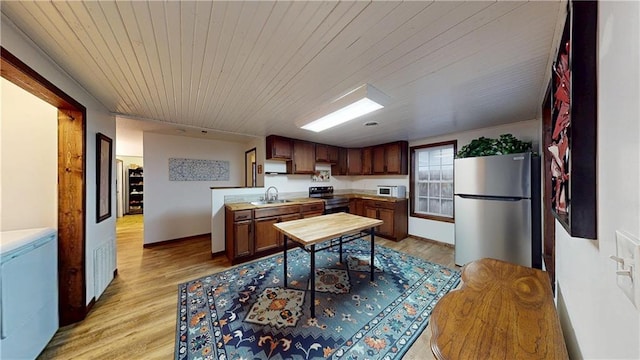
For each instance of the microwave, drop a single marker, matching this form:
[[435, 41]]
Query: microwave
[[398, 191]]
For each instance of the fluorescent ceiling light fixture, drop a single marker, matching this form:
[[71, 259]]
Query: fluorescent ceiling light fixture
[[358, 102]]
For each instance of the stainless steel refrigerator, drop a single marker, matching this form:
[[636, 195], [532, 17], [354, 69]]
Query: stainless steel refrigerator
[[497, 209]]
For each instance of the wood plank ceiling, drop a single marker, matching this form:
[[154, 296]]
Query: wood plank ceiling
[[261, 67]]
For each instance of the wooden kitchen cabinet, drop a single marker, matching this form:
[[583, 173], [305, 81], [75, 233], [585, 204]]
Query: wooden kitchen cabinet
[[354, 161], [238, 234], [322, 153], [394, 214], [340, 167], [250, 233], [304, 158], [311, 210], [266, 236], [278, 148], [334, 154], [367, 161], [391, 158], [356, 207]]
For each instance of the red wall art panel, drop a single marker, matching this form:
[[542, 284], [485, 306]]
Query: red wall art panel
[[574, 118]]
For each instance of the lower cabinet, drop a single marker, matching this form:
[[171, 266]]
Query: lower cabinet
[[356, 207], [266, 235], [394, 215], [238, 233], [250, 233]]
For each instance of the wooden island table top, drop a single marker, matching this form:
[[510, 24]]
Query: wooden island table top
[[317, 229], [502, 311]]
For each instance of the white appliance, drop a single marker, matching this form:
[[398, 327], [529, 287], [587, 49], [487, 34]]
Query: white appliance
[[396, 191], [497, 204], [28, 291]]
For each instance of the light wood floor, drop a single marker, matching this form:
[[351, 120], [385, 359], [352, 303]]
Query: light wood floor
[[135, 318]]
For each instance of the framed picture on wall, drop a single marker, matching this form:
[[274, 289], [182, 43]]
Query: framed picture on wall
[[103, 176], [573, 122]]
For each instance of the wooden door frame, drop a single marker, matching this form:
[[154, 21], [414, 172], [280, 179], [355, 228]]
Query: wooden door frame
[[72, 116]]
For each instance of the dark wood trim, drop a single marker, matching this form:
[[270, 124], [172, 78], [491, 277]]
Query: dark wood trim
[[412, 188], [216, 254], [71, 184], [165, 242], [549, 231], [432, 217], [19, 73], [91, 304]]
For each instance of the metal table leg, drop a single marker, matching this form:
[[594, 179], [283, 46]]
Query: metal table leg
[[313, 281], [371, 231], [340, 249], [285, 261]]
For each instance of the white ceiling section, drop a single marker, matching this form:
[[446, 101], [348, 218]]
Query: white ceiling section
[[258, 67]]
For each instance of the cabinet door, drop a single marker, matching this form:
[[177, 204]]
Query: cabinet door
[[367, 161], [266, 236], [278, 148], [340, 168], [333, 153], [304, 157], [386, 229], [370, 212], [379, 164], [354, 161], [243, 235], [396, 158], [322, 153]]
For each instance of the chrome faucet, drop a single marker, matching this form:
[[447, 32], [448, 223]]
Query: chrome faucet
[[266, 194]]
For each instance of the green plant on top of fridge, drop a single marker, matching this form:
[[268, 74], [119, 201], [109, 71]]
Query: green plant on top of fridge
[[505, 144]]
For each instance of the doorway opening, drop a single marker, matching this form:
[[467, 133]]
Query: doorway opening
[[250, 171], [71, 210]]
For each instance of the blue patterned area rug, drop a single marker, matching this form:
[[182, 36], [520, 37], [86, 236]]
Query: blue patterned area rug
[[245, 313]]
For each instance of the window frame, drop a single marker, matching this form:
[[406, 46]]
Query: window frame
[[412, 181]]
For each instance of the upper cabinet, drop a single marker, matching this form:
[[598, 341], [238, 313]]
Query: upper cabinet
[[367, 161], [354, 161], [340, 166], [322, 153], [304, 158], [391, 158], [334, 154], [278, 148]]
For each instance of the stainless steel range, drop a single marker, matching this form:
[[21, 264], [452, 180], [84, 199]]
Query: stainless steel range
[[332, 203]]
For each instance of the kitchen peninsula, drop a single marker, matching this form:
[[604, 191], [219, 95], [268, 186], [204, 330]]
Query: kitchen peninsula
[[242, 227]]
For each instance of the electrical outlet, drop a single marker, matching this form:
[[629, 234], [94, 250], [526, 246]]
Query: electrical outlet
[[628, 259]]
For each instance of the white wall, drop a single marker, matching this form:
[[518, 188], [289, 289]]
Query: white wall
[[442, 231], [177, 209], [29, 140], [98, 120], [129, 142], [599, 322]]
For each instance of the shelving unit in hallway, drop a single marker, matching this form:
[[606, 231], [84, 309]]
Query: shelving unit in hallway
[[135, 190]]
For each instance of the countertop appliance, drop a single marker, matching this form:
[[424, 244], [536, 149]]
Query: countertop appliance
[[332, 203], [497, 209], [396, 191], [29, 291]]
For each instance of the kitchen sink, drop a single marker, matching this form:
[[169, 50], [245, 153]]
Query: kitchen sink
[[265, 202]]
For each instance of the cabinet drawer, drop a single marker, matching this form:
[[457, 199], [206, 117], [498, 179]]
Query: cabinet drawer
[[380, 204], [312, 207], [241, 215], [276, 210]]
